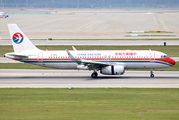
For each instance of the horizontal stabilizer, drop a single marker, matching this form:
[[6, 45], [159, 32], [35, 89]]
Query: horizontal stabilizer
[[16, 55]]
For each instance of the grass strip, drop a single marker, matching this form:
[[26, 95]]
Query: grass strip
[[171, 51], [89, 104], [20, 66], [30, 66]]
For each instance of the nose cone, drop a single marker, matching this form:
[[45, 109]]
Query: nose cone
[[172, 61]]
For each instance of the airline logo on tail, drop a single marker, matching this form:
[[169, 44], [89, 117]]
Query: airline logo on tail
[[17, 38]]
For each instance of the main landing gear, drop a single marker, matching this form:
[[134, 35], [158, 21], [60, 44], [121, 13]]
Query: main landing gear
[[94, 75], [151, 73]]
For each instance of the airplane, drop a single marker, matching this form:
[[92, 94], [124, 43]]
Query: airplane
[[108, 62], [3, 15]]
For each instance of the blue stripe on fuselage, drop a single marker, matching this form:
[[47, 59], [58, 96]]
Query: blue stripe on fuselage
[[98, 61]]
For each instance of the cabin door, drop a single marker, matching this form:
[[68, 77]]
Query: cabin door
[[107, 58], [152, 57], [40, 57]]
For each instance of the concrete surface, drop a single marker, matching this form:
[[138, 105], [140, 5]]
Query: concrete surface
[[87, 25], [12, 78]]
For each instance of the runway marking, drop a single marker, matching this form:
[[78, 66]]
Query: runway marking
[[155, 86], [164, 26], [94, 22], [16, 85], [12, 61]]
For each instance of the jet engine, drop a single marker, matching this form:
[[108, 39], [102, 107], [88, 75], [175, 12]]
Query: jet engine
[[113, 70]]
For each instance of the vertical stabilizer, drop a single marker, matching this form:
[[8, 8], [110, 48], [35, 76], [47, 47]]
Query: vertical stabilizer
[[19, 40]]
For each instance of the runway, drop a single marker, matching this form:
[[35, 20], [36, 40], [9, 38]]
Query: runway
[[27, 78], [98, 42]]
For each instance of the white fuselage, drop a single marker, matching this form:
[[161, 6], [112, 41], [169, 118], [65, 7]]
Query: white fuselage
[[130, 59]]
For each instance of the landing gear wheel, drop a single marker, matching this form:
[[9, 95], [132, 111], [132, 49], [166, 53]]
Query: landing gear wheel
[[94, 75], [152, 75]]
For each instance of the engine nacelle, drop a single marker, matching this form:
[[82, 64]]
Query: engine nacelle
[[113, 70]]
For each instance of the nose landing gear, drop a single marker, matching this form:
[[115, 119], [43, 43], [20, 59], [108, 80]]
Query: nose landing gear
[[151, 73]]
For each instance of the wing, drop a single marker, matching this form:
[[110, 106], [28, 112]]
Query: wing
[[91, 64], [74, 48], [97, 63]]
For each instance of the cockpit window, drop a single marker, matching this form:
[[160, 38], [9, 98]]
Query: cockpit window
[[164, 56]]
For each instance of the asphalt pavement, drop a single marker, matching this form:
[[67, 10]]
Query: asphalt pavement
[[27, 78]]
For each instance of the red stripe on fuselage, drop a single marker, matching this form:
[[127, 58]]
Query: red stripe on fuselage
[[166, 60]]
